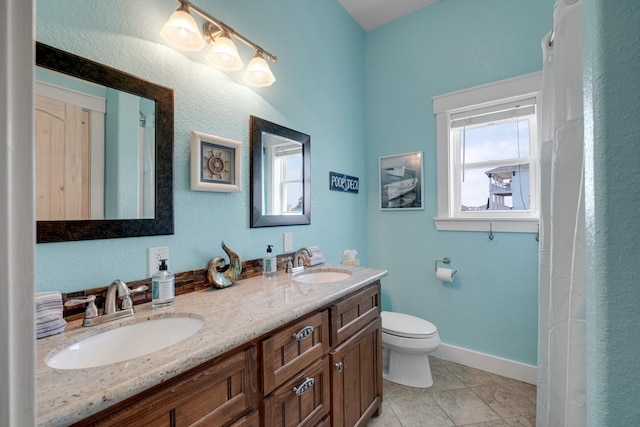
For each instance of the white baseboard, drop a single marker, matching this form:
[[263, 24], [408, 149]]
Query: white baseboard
[[496, 365]]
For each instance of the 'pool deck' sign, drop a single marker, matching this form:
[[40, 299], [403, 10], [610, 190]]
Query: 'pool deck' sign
[[344, 183]]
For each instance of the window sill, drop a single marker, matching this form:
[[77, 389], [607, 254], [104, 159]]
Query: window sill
[[498, 225]]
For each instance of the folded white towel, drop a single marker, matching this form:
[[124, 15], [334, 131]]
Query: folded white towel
[[48, 294], [316, 256], [46, 300], [49, 328], [49, 316], [46, 307]]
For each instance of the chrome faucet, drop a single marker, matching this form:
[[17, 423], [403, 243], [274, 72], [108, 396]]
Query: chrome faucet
[[118, 289], [300, 256]]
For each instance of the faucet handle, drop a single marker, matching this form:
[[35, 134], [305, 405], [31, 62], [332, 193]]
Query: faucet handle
[[91, 311], [139, 289], [127, 303]]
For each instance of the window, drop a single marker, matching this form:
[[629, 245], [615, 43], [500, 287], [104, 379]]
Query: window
[[284, 157], [488, 157]]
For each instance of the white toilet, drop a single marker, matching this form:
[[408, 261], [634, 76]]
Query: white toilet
[[406, 342]]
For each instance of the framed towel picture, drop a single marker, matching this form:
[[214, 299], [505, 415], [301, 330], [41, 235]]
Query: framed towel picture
[[401, 181], [215, 163]]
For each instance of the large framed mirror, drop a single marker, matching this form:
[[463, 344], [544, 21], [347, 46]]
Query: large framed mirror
[[280, 175], [104, 151]]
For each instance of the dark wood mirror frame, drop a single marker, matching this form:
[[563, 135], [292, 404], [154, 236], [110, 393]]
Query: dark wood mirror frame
[[162, 224], [258, 219]]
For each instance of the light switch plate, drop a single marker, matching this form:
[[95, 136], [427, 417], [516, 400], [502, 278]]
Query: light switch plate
[[288, 242], [155, 255]]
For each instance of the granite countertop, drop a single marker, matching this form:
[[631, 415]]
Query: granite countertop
[[232, 317]]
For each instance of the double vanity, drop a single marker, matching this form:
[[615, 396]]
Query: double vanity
[[289, 350]]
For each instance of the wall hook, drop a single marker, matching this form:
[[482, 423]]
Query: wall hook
[[490, 231]]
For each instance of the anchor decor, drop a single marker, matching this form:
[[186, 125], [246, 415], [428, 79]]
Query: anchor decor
[[219, 273]]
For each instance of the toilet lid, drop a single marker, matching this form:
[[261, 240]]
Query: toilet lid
[[405, 325]]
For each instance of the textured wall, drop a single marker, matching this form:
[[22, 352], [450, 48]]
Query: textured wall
[[492, 305], [354, 115], [612, 90], [319, 91]]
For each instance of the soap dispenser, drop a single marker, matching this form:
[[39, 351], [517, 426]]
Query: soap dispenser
[[162, 286], [269, 264]]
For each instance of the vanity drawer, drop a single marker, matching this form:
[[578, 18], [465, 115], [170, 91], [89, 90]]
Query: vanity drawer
[[292, 348], [354, 312], [304, 400]]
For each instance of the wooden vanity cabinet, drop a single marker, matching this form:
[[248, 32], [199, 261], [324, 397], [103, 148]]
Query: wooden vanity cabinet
[[217, 393], [324, 369], [347, 377], [356, 358]]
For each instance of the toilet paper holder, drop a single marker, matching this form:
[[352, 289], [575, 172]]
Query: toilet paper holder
[[445, 260]]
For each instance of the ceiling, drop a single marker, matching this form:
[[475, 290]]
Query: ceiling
[[374, 13]]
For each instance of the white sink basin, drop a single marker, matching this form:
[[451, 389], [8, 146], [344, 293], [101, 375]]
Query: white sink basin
[[322, 276], [124, 343]]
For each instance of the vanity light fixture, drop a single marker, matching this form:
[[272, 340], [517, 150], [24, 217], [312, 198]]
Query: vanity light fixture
[[224, 53], [258, 72], [181, 32]]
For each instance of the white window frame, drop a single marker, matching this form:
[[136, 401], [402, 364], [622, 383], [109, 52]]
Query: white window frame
[[525, 86]]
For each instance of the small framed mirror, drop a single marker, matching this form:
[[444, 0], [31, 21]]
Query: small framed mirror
[[104, 151], [280, 175]]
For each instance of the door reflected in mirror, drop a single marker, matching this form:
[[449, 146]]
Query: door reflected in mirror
[[104, 151], [280, 175], [95, 151]]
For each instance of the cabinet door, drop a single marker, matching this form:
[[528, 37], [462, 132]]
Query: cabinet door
[[302, 401], [217, 394], [354, 312], [356, 377], [292, 348]]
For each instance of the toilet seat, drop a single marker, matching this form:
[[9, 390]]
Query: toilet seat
[[407, 326]]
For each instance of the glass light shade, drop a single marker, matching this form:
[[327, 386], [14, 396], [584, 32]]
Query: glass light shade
[[258, 72], [224, 55], [181, 32]]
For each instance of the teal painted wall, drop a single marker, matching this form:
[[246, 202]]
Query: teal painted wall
[[491, 307], [319, 91], [359, 96], [612, 90]]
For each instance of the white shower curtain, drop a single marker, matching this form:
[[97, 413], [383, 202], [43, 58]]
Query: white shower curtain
[[561, 399]]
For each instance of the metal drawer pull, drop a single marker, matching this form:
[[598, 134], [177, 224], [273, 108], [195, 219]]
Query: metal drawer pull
[[339, 366], [306, 385], [304, 332]]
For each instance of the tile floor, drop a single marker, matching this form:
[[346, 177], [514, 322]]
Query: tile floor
[[460, 396]]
